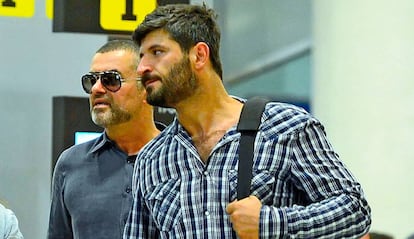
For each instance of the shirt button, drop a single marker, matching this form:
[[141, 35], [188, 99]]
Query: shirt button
[[131, 159], [205, 173], [206, 213]]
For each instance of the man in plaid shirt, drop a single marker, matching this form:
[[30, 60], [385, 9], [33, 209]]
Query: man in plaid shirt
[[184, 183]]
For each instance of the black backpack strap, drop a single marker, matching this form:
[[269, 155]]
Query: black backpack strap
[[249, 122]]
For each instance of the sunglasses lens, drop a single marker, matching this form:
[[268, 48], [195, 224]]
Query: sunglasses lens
[[111, 80], [88, 81]]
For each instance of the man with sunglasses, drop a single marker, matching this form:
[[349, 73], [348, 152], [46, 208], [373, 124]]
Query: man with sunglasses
[[91, 192]]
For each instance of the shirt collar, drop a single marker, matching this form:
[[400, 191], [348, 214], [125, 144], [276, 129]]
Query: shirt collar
[[103, 139], [175, 127], [100, 142]]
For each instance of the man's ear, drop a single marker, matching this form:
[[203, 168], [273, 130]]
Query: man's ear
[[200, 55]]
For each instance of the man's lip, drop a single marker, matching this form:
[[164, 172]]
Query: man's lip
[[100, 102], [149, 81]]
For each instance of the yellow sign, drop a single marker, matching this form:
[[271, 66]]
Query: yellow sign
[[49, 9], [124, 15], [17, 8]]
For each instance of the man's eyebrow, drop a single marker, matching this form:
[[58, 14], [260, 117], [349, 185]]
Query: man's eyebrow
[[155, 46], [97, 72]]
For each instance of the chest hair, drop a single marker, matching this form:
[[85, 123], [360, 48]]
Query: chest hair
[[205, 143]]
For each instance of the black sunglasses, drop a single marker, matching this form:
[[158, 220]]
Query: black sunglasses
[[111, 80]]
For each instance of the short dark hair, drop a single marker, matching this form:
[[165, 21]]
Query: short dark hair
[[121, 44], [187, 25]]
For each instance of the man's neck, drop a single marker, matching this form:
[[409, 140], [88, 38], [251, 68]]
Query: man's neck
[[131, 138], [205, 117]]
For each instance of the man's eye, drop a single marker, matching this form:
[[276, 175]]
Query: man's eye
[[157, 52]]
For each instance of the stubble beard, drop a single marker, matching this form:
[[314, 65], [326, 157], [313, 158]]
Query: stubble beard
[[113, 116], [179, 84]]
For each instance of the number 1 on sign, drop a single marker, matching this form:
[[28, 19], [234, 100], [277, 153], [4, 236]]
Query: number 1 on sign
[[129, 14], [124, 15], [8, 3]]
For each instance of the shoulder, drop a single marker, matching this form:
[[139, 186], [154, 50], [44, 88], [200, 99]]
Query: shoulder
[[278, 112], [285, 118], [9, 223], [160, 142], [285, 110], [75, 154]]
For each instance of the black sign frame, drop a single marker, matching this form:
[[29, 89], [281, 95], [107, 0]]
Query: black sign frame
[[82, 16]]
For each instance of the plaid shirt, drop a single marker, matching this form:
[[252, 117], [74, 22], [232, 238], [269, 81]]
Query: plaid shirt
[[306, 191]]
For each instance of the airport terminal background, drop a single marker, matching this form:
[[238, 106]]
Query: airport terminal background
[[349, 63]]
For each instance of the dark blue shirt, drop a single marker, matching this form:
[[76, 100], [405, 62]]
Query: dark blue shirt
[[91, 191]]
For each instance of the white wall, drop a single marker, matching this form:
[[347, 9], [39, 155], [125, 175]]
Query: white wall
[[364, 92]]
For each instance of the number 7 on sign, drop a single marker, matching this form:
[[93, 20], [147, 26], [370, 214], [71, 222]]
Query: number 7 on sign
[[124, 15]]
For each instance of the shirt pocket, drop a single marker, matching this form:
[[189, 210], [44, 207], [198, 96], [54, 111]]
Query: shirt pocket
[[164, 203], [261, 185]]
